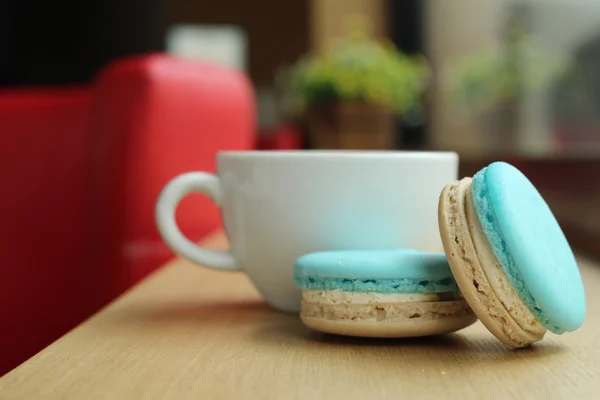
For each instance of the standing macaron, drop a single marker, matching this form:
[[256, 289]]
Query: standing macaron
[[510, 257], [396, 293]]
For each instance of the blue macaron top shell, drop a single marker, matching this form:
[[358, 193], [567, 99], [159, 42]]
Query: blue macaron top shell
[[381, 271], [530, 245]]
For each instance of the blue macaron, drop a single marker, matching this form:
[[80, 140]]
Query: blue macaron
[[530, 246], [393, 293]]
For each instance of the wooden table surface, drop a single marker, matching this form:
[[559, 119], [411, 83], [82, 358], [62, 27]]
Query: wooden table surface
[[193, 333]]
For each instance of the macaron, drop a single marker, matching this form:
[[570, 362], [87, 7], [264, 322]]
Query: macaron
[[385, 294], [510, 257]]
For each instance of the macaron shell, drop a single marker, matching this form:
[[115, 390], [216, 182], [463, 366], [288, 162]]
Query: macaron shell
[[497, 278], [396, 329], [530, 245], [399, 285], [374, 264]]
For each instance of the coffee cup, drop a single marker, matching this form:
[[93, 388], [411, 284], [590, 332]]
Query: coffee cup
[[277, 206]]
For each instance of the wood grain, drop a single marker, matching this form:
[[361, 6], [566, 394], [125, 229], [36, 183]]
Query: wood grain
[[193, 333]]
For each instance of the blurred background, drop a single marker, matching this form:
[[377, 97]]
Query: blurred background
[[103, 102], [510, 76]]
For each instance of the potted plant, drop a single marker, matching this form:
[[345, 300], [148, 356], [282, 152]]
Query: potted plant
[[351, 96]]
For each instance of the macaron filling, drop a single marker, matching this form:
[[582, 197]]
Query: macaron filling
[[493, 233], [387, 312], [341, 305], [342, 297]]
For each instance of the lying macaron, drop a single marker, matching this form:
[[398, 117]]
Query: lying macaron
[[396, 293], [510, 257]]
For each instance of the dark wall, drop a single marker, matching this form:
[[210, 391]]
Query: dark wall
[[406, 26], [67, 41], [278, 31]]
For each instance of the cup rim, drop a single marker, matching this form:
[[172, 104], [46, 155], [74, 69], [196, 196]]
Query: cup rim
[[342, 154]]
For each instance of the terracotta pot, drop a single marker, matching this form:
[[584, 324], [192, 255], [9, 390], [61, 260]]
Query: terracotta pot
[[351, 126]]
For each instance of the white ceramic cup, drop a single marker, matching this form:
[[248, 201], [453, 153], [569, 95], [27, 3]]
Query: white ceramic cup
[[277, 206]]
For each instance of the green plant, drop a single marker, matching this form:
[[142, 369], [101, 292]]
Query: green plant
[[497, 76], [362, 69]]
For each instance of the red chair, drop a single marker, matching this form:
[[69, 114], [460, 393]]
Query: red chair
[[282, 137], [81, 169]]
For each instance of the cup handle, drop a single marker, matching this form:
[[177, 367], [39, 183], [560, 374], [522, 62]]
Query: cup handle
[[166, 205]]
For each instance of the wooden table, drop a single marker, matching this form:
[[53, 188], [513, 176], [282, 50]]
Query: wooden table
[[193, 333]]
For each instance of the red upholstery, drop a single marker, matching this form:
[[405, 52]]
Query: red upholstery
[[282, 137], [81, 169], [44, 146]]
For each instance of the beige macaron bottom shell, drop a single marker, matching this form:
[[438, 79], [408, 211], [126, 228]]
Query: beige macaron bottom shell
[[479, 274], [389, 329], [384, 316]]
